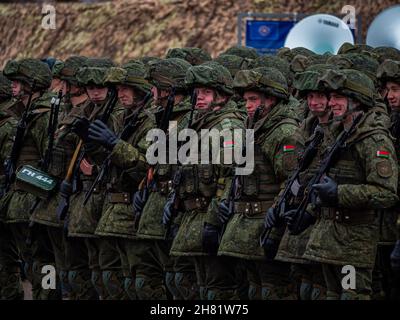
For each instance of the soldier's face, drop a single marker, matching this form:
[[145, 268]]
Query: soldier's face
[[338, 104], [126, 95], [205, 96], [253, 101], [16, 88], [317, 102], [97, 94], [56, 84], [159, 95], [393, 95]]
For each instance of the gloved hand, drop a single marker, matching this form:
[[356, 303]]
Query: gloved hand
[[272, 219], [101, 134], [65, 189], [294, 224], [139, 200], [169, 210], [80, 127], [223, 214], [327, 192], [395, 257], [210, 238], [271, 246]]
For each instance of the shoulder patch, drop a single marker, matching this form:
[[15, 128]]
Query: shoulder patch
[[384, 169]]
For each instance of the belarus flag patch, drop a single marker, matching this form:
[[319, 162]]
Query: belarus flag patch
[[288, 148], [382, 154]]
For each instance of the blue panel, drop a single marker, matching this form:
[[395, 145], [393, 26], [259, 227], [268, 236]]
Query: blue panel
[[267, 36]]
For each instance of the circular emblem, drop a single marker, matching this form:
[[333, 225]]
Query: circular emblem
[[264, 30]]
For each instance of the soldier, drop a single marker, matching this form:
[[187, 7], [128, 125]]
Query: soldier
[[389, 76], [10, 280], [87, 255], [155, 273], [30, 79], [199, 187], [194, 56], [126, 169], [361, 181], [308, 276], [265, 90]]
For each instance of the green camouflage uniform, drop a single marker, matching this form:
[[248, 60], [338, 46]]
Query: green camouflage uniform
[[367, 181], [202, 186], [155, 273], [255, 193]]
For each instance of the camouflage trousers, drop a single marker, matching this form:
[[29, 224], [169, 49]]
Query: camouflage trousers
[[309, 281], [269, 280], [10, 279], [216, 277], [333, 279], [111, 267], [82, 262]]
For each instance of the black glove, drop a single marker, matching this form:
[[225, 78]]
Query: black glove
[[272, 219], [224, 213], [395, 257], [327, 192], [294, 224], [210, 238], [65, 189], [101, 134], [169, 210], [271, 246], [80, 127]]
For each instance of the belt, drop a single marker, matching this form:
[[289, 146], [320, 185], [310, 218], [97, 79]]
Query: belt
[[121, 197], [163, 187], [348, 216], [199, 203], [252, 208]]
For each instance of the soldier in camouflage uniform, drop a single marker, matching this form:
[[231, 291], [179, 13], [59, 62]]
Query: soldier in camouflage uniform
[[126, 170], [201, 186], [307, 276], [265, 90], [155, 273], [361, 181], [85, 252], [30, 76], [10, 286], [389, 76]]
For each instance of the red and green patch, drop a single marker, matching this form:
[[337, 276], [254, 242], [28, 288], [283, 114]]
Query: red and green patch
[[383, 154], [288, 148]]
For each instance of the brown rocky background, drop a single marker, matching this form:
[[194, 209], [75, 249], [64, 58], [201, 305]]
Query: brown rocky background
[[123, 29]]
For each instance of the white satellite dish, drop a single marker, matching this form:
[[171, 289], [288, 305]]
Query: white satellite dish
[[384, 31], [319, 33]]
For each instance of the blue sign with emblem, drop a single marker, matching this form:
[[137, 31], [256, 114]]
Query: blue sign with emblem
[[267, 36]]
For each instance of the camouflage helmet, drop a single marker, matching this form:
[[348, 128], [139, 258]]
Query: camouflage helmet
[[210, 74], [383, 53], [350, 83], [307, 80], [276, 62], [347, 47], [288, 54], [234, 63], [268, 80], [244, 52], [56, 68], [389, 70], [131, 74], [70, 69], [194, 56], [167, 73], [99, 62], [360, 62], [29, 71], [91, 76], [147, 59], [5, 87]]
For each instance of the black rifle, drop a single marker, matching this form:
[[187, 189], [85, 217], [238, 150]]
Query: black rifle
[[79, 153], [124, 135], [178, 174], [11, 162], [287, 195], [326, 164]]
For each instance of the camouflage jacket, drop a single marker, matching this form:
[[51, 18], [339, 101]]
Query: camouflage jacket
[[367, 175], [275, 158]]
